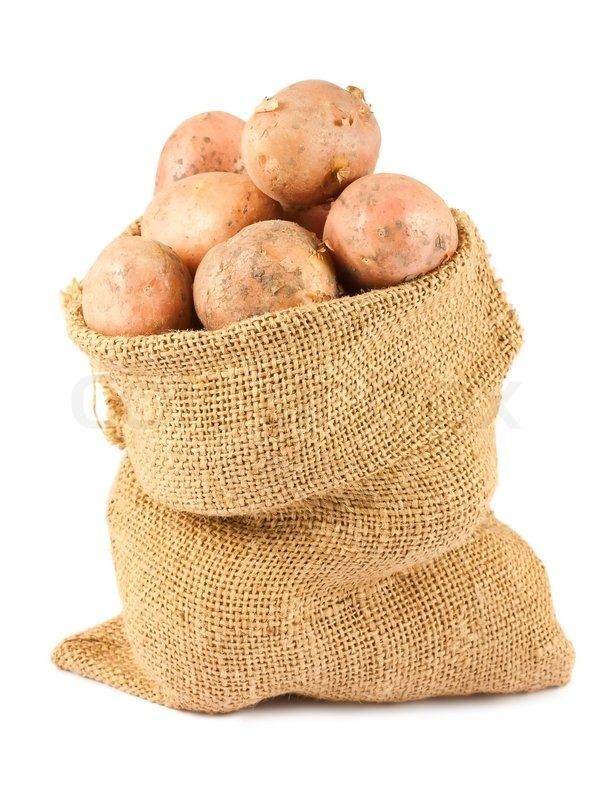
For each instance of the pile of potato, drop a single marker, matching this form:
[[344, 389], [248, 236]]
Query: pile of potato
[[256, 217]]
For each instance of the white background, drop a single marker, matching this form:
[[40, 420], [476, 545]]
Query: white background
[[498, 107]]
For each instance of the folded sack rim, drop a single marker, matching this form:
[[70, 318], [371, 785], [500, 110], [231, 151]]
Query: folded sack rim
[[157, 352]]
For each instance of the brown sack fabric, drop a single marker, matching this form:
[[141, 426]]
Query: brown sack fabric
[[304, 504]]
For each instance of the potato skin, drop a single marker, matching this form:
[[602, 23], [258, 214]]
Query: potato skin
[[266, 267], [312, 218], [306, 143], [196, 213], [137, 287], [208, 142], [386, 228]]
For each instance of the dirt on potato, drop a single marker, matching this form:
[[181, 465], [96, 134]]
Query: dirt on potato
[[306, 143], [137, 287], [269, 266], [386, 228], [208, 142]]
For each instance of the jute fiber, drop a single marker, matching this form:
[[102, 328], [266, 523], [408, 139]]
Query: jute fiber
[[304, 504]]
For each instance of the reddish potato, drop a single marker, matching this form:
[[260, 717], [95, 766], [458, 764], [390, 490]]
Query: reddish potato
[[137, 287], [198, 212], [208, 142], [266, 267], [313, 218], [386, 228], [306, 143]]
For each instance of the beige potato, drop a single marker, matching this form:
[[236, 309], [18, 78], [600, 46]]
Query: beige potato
[[196, 213], [208, 142], [266, 267], [137, 287], [386, 228], [306, 143], [313, 218]]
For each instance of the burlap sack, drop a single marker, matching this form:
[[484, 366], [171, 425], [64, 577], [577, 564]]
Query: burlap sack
[[304, 504]]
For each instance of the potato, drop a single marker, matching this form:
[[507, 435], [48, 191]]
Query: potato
[[266, 267], [386, 228], [196, 213], [208, 142], [137, 287], [306, 143], [313, 218]]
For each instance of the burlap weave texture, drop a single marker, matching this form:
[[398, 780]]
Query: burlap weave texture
[[304, 504]]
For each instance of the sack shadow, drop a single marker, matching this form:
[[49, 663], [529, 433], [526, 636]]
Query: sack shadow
[[292, 703]]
